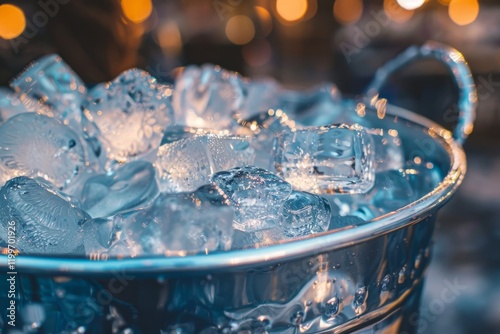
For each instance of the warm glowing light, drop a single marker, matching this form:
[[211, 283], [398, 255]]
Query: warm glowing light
[[257, 53], [240, 29], [348, 11], [137, 10], [444, 2], [395, 12], [411, 4], [291, 10], [12, 21], [169, 38], [266, 21], [463, 12]]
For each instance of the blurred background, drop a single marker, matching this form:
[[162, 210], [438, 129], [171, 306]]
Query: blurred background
[[302, 43]]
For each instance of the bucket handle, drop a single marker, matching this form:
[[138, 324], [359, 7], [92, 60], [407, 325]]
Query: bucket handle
[[454, 60]]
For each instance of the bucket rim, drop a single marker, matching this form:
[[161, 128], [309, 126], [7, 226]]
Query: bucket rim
[[272, 255]]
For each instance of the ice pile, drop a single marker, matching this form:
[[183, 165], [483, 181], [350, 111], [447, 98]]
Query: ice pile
[[212, 163]]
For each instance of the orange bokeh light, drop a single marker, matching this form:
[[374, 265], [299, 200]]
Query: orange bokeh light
[[348, 11], [12, 21], [137, 10], [463, 12]]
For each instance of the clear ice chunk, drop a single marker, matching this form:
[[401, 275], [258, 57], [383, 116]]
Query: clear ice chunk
[[51, 80], [177, 224], [207, 97], [188, 163], [304, 214], [256, 194], [327, 159], [264, 126], [319, 106], [128, 114], [260, 96], [132, 186], [392, 190], [39, 146], [45, 221], [12, 103]]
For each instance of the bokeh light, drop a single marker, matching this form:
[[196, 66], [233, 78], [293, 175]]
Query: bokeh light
[[444, 2], [266, 21], [411, 4], [395, 12], [12, 21], [137, 10], [348, 11], [257, 53], [240, 29], [463, 12], [169, 38], [291, 10]]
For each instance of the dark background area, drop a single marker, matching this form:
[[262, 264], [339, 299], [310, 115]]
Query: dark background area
[[343, 41]]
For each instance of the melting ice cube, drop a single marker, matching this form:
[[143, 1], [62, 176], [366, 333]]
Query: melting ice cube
[[207, 97], [177, 223], [128, 114], [131, 186], [188, 163], [388, 150], [51, 80], [12, 103], [256, 194], [45, 222], [37, 145], [327, 159]]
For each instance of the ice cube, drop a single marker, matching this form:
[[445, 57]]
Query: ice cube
[[327, 159], [128, 114], [37, 145], [260, 96], [178, 224], [98, 235], [188, 163], [303, 214], [12, 103], [207, 97], [264, 126], [132, 186], [256, 194], [423, 177], [45, 222], [51, 80], [320, 106]]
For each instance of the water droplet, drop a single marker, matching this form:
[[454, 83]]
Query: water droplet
[[359, 301], [332, 307], [297, 318], [386, 284], [418, 260], [401, 275]]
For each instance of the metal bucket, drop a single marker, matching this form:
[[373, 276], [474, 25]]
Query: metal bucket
[[365, 279]]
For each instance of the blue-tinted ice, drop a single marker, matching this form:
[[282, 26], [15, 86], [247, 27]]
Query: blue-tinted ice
[[132, 186], [256, 194], [51, 80], [129, 114], [327, 159], [174, 224], [39, 146], [208, 153], [260, 96], [46, 221], [12, 103], [207, 97]]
